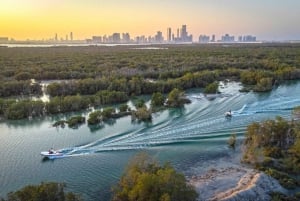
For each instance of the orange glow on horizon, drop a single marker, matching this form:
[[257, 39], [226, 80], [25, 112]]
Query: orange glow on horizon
[[36, 19]]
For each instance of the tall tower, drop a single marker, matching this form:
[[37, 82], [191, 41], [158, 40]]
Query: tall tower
[[169, 34], [213, 38], [55, 37], [71, 36], [183, 33]]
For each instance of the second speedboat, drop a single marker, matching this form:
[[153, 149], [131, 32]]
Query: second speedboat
[[51, 154], [228, 114]]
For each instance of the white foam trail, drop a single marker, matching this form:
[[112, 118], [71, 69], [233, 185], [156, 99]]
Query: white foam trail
[[197, 127]]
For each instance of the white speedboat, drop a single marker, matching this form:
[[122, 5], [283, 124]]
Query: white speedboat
[[52, 154], [228, 114]]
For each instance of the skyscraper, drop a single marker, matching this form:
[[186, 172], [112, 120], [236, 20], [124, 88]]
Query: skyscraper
[[183, 33], [169, 34], [213, 38], [125, 38], [56, 37], [71, 36], [116, 38], [203, 39], [158, 37], [227, 38]]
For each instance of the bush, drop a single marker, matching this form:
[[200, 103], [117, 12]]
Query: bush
[[146, 180], [60, 123], [107, 113], [142, 114], [157, 100], [176, 98], [45, 191], [140, 103], [264, 85], [284, 179], [212, 88], [124, 108], [95, 117], [232, 140], [73, 122]]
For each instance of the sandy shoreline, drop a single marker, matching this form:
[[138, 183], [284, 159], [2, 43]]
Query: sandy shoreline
[[234, 183]]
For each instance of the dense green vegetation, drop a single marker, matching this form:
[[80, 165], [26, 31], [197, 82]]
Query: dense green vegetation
[[141, 114], [274, 147], [94, 76], [42, 192], [146, 180], [232, 141], [23, 108], [123, 61], [75, 121], [95, 117], [157, 100], [176, 98], [18, 88], [211, 88]]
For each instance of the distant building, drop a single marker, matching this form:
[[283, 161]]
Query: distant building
[[56, 37], [240, 38], [159, 37], [203, 39], [105, 39], [97, 39], [227, 38], [182, 35], [213, 38], [246, 39], [71, 36], [4, 39], [169, 34], [125, 38], [116, 38], [249, 38], [178, 33]]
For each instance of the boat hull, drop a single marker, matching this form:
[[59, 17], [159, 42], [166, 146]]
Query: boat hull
[[52, 155]]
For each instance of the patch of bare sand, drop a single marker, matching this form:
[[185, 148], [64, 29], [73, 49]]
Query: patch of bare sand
[[234, 183]]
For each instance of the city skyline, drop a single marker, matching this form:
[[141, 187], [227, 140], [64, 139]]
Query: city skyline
[[36, 20], [180, 35]]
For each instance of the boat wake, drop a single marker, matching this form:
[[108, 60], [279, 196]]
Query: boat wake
[[195, 126]]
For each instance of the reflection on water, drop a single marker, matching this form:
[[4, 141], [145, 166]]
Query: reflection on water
[[190, 138]]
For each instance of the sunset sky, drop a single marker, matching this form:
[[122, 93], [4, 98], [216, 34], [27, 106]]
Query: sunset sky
[[38, 19]]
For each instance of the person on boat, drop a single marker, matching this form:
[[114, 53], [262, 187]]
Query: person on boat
[[228, 114], [51, 151]]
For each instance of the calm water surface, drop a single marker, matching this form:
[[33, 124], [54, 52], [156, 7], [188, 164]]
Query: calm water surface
[[192, 139]]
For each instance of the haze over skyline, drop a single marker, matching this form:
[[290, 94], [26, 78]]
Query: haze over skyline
[[36, 19]]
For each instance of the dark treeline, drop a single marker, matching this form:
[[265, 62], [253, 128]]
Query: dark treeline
[[133, 86], [19, 109], [127, 61], [95, 76], [129, 69], [19, 88]]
